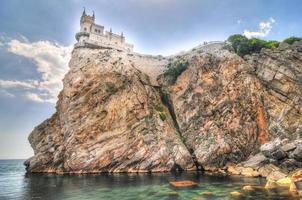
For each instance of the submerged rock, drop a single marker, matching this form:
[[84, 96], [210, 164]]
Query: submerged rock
[[235, 194], [183, 183], [248, 188]]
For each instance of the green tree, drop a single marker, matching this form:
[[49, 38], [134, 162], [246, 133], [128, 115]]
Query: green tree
[[236, 41], [291, 40], [272, 44]]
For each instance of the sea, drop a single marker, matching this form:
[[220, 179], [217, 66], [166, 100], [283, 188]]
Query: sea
[[15, 183]]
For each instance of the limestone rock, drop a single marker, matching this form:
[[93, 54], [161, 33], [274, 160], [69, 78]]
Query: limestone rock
[[216, 105], [206, 108], [284, 182], [296, 182], [273, 150], [270, 185], [256, 161], [107, 120], [248, 188], [297, 153]]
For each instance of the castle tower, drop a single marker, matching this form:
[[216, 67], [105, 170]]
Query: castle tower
[[86, 22]]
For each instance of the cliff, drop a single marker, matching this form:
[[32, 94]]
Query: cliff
[[202, 109]]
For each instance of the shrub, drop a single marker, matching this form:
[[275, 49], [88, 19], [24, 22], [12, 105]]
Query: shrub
[[110, 88], [162, 116], [272, 44], [236, 41], [244, 46], [159, 108], [291, 40], [175, 68]]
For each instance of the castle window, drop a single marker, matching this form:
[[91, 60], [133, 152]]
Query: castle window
[[95, 30], [85, 29]]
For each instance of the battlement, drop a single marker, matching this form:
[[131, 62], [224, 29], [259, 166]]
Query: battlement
[[93, 34]]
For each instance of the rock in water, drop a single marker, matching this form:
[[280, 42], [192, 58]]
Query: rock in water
[[183, 183]]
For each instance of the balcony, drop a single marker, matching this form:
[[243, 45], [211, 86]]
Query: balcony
[[79, 34]]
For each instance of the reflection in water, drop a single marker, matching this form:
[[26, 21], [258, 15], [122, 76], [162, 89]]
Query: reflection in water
[[15, 185]]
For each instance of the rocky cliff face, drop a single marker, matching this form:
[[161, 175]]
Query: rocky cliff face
[[206, 108]]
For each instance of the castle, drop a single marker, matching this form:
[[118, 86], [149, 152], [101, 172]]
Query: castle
[[92, 34]]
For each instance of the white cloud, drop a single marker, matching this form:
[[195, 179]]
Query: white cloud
[[264, 29], [34, 97], [18, 84], [51, 60]]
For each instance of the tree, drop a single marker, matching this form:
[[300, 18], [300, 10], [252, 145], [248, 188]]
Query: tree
[[291, 40]]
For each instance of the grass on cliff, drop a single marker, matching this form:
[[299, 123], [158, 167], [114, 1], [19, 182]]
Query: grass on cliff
[[244, 46]]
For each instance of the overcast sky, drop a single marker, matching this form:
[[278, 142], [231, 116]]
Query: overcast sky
[[36, 38]]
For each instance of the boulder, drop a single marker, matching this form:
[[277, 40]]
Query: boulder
[[290, 164], [276, 175], [256, 161], [289, 147], [247, 188], [270, 185], [235, 194], [250, 172], [284, 182], [273, 150], [267, 169], [297, 153], [296, 183], [232, 169]]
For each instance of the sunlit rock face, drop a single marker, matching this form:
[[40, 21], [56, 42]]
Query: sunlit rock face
[[217, 103], [206, 108], [109, 118], [280, 72]]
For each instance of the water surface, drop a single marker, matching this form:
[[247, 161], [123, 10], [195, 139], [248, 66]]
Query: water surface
[[15, 184]]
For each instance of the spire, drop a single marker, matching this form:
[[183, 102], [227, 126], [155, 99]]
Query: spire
[[122, 34], [110, 30], [84, 11], [93, 16]]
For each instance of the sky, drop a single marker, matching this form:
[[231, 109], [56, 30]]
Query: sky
[[37, 37]]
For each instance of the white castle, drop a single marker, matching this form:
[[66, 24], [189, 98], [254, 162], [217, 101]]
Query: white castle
[[92, 35]]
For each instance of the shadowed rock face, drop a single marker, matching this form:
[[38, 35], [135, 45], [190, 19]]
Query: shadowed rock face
[[112, 115]]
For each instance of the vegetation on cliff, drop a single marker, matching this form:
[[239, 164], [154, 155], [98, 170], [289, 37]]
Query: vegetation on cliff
[[244, 46], [174, 69]]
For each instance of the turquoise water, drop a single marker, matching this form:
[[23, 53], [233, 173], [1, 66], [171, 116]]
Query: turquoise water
[[15, 184]]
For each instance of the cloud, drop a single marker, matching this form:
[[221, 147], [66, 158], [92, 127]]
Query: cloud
[[51, 61], [17, 84], [264, 29], [34, 97]]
